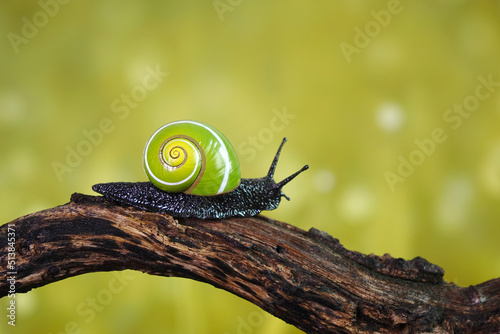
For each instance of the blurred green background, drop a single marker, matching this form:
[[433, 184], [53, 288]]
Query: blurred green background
[[395, 106]]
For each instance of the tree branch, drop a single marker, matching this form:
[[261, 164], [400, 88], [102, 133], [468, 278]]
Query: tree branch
[[305, 278]]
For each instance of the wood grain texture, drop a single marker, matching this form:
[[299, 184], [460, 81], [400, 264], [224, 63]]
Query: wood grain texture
[[305, 278]]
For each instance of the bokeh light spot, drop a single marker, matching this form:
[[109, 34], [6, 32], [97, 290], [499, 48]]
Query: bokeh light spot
[[356, 204], [389, 117], [324, 181]]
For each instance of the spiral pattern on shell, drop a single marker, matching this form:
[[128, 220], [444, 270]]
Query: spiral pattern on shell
[[191, 157]]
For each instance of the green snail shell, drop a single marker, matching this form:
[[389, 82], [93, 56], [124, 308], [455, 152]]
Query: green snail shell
[[191, 157]]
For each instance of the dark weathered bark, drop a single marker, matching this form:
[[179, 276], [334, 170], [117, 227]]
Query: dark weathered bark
[[305, 278]]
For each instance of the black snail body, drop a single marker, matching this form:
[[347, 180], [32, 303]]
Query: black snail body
[[248, 198]]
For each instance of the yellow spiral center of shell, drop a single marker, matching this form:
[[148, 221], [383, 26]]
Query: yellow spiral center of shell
[[181, 162], [173, 155]]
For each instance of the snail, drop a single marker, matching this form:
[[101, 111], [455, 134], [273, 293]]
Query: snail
[[194, 172]]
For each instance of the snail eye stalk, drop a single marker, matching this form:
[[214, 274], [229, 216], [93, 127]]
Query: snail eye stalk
[[291, 177], [272, 169]]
